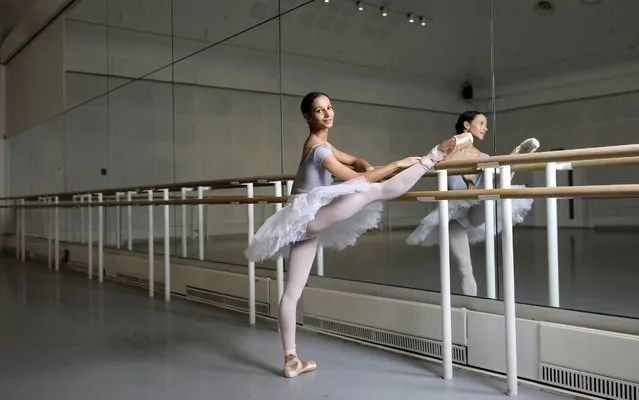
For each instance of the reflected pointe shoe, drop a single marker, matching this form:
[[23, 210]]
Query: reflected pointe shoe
[[293, 366], [527, 146], [436, 155]]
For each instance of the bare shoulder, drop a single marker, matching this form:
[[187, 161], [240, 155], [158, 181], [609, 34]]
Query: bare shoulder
[[308, 146]]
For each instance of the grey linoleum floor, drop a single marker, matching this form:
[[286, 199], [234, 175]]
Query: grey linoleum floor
[[66, 338]]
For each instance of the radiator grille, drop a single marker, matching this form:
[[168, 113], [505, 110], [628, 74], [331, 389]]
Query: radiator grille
[[427, 347], [137, 281], [607, 388]]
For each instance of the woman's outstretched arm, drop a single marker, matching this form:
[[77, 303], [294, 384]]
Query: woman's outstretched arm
[[358, 164], [344, 173]]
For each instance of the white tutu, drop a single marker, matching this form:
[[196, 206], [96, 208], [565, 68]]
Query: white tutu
[[427, 233], [288, 225]]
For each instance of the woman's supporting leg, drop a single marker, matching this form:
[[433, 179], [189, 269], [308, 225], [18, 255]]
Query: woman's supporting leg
[[300, 261], [347, 206], [460, 249]]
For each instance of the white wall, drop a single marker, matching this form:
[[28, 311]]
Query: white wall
[[35, 80], [222, 119], [226, 108]]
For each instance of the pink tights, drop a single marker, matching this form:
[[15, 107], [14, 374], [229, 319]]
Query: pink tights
[[302, 253]]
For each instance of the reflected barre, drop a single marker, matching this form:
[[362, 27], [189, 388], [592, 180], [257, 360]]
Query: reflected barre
[[587, 191], [591, 153]]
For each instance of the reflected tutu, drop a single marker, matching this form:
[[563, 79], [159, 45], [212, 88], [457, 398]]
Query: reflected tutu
[[427, 233], [288, 225]]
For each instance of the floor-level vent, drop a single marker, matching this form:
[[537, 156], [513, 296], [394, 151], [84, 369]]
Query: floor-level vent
[[597, 385], [427, 347], [224, 300], [80, 267], [137, 281]]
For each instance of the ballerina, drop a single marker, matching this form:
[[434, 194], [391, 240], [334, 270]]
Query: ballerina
[[467, 219], [334, 216]]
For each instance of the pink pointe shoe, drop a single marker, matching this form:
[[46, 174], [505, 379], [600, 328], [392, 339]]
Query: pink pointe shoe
[[293, 366], [462, 141]]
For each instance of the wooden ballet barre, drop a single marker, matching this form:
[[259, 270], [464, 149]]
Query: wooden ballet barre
[[229, 183], [579, 158], [629, 150], [539, 166], [592, 191], [190, 201], [603, 162], [589, 191]]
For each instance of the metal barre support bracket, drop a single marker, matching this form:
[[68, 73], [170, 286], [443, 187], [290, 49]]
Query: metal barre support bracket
[[564, 166], [488, 197], [488, 165]]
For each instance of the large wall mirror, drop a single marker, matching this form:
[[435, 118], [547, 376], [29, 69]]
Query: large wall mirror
[[567, 74]]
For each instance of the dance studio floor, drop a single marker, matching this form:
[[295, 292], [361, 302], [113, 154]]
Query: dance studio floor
[[597, 268], [66, 338]]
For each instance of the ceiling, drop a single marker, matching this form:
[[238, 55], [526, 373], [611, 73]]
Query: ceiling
[[455, 46], [11, 11]]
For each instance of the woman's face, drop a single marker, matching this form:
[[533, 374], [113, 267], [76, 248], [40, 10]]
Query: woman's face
[[321, 115], [478, 126]]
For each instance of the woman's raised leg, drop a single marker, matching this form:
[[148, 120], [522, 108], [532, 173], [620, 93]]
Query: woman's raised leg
[[347, 206]]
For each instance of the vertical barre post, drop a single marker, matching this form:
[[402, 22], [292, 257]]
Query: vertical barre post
[[183, 207], [553, 237], [289, 187], [57, 233], [49, 217], [319, 259], [444, 259], [73, 225], [280, 260], [118, 222], [129, 217], [100, 238], [491, 290], [81, 219], [18, 231], [90, 232], [43, 218], [23, 234], [167, 248], [150, 245], [200, 223], [251, 266], [509, 284]]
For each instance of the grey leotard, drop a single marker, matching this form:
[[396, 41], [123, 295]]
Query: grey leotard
[[311, 173], [455, 182]]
